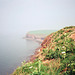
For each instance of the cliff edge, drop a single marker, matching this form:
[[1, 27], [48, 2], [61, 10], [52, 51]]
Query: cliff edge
[[38, 35], [55, 57]]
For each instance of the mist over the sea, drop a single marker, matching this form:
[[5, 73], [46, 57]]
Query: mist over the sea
[[17, 17], [13, 51]]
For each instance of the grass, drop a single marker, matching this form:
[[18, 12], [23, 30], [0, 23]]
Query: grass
[[57, 58], [46, 32]]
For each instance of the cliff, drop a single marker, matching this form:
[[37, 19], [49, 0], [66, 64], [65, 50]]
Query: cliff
[[55, 57], [38, 35]]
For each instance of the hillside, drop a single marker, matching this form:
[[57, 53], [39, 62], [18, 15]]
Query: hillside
[[38, 35], [55, 57], [46, 32]]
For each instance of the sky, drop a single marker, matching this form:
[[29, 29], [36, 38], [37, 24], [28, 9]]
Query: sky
[[21, 16]]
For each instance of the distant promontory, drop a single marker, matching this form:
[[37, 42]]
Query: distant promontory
[[38, 35]]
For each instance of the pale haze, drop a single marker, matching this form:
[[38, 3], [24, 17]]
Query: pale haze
[[17, 17], [21, 16]]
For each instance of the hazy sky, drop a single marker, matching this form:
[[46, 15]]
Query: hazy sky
[[26, 15]]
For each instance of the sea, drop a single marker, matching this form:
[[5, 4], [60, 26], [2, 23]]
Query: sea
[[14, 50]]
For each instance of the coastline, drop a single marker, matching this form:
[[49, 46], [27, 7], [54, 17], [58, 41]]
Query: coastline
[[37, 50], [49, 54], [32, 57], [39, 38], [35, 37]]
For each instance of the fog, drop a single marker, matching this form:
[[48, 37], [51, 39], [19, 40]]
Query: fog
[[21, 16], [17, 17]]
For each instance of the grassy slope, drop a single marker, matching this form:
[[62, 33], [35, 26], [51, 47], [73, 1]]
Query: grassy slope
[[56, 56], [46, 32]]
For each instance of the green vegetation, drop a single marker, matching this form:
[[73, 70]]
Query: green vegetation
[[57, 58], [46, 32]]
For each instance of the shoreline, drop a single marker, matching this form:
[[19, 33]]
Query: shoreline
[[35, 37], [49, 54], [32, 57], [36, 51], [37, 40]]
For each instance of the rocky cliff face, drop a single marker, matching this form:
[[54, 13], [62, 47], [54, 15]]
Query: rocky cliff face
[[36, 37]]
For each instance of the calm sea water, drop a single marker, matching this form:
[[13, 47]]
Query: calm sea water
[[13, 50]]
